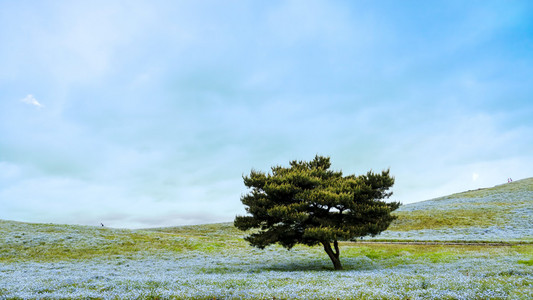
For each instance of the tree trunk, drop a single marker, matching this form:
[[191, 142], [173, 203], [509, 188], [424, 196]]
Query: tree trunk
[[334, 256]]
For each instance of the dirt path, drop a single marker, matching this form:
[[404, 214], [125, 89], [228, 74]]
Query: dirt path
[[494, 244]]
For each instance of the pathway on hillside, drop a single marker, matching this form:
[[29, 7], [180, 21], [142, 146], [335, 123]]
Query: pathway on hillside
[[480, 243]]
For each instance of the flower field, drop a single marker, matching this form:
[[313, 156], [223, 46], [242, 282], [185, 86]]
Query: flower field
[[372, 272], [47, 261], [502, 213]]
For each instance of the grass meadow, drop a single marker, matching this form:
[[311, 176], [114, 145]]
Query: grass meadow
[[48, 261]]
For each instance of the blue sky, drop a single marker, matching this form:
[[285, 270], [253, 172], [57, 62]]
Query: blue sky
[[148, 113]]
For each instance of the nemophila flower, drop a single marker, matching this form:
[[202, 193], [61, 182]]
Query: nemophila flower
[[246, 273], [489, 277]]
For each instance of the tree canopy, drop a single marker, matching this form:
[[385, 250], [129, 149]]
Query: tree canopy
[[307, 203]]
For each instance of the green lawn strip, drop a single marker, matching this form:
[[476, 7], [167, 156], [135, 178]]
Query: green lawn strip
[[55, 243], [447, 242], [396, 254], [423, 219], [58, 243]]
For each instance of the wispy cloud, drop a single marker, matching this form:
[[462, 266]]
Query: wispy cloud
[[30, 99]]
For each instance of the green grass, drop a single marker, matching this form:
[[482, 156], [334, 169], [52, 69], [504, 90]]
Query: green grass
[[527, 262], [516, 186], [212, 260], [498, 206], [392, 255], [424, 219], [211, 238], [207, 261], [48, 243]]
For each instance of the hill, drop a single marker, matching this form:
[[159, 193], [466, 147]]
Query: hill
[[52, 242], [500, 213], [48, 261]]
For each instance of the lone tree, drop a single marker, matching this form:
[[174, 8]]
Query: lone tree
[[309, 204]]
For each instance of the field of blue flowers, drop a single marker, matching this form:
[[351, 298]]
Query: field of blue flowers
[[46, 261], [502, 213], [303, 273]]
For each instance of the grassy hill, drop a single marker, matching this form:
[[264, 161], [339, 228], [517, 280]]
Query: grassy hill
[[212, 261], [51, 242], [500, 213]]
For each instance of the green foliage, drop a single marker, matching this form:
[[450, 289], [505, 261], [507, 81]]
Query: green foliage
[[307, 203]]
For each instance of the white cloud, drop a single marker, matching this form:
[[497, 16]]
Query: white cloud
[[475, 176], [31, 100]]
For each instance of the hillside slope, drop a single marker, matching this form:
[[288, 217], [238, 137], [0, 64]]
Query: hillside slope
[[48, 261], [500, 213], [55, 242]]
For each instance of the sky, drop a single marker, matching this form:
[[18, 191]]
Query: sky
[[140, 114]]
